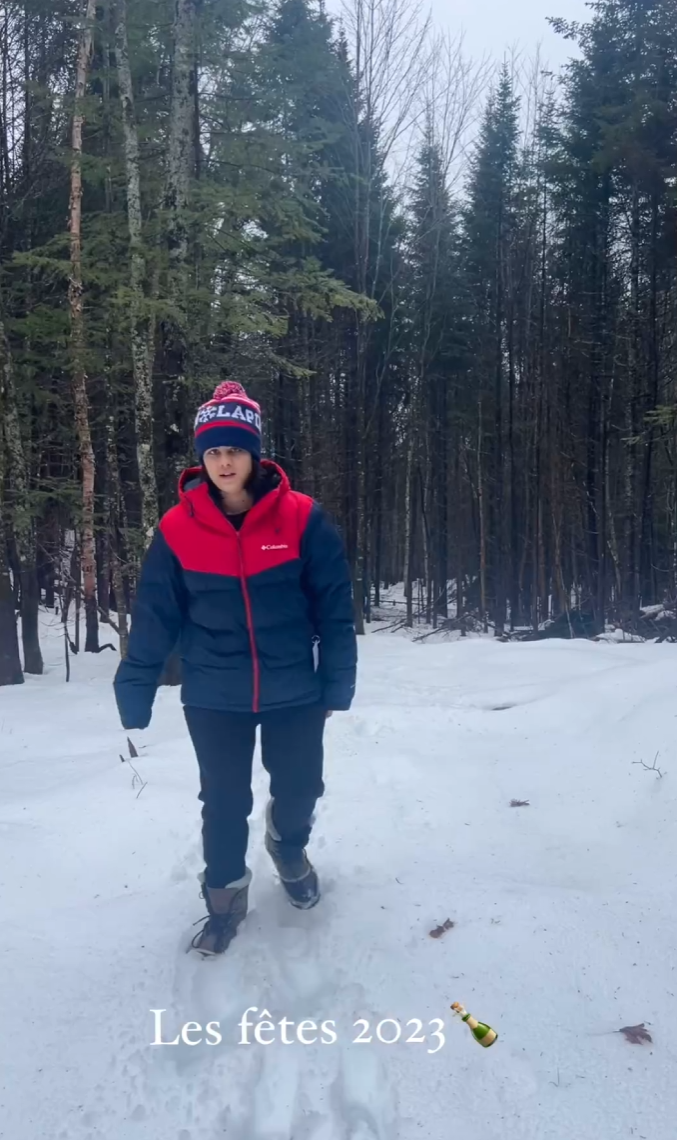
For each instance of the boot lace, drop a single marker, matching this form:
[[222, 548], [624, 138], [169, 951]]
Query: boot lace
[[222, 926]]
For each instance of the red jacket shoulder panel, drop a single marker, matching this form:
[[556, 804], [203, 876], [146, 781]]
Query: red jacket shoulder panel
[[170, 518], [211, 546], [304, 506], [197, 547]]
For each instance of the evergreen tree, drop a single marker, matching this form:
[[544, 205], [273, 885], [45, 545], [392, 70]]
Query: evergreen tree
[[490, 225], [437, 307]]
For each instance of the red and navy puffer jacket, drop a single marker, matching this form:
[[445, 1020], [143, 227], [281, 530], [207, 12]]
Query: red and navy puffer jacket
[[246, 607]]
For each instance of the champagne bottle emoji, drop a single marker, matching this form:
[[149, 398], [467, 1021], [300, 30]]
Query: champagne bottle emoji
[[482, 1033]]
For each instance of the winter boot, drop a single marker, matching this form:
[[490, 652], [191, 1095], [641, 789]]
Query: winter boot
[[227, 908], [297, 874]]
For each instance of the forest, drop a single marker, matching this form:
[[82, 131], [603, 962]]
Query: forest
[[450, 284]]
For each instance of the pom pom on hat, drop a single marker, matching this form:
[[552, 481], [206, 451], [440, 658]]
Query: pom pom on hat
[[228, 388], [230, 419]]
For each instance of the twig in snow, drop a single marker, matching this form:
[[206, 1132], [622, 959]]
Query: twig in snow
[[653, 767], [135, 777]]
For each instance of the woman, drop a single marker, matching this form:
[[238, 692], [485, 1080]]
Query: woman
[[251, 579]]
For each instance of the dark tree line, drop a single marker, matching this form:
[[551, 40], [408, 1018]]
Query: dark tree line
[[467, 355]]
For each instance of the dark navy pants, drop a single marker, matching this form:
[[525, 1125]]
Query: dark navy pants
[[291, 752]]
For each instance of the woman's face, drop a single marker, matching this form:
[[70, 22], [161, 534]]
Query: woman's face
[[228, 468]]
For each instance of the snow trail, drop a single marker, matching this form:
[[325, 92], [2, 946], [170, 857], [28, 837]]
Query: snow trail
[[563, 910]]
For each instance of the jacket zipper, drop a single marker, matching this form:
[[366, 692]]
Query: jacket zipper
[[250, 624]]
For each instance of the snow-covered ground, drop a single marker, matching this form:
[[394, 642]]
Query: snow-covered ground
[[564, 910]]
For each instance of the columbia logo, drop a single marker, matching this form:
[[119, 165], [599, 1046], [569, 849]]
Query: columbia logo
[[281, 546]]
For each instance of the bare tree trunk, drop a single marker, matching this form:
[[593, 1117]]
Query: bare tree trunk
[[427, 567], [498, 489], [120, 602], [115, 499], [11, 672], [76, 574], [180, 151], [379, 499], [180, 135], [179, 154], [540, 613], [513, 594], [103, 567], [458, 514], [631, 530], [647, 521], [306, 421], [483, 525], [603, 515], [408, 529], [141, 321], [50, 559], [537, 537], [75, 298], [23, 528], [673, 517]]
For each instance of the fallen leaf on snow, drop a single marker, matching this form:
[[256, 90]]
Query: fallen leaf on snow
[[636, 1034], [439, 930]]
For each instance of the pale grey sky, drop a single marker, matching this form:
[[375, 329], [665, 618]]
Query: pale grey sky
[[494, 26], [493, 30]]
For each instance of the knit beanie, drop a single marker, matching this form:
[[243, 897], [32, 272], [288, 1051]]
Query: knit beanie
[[229, 419]]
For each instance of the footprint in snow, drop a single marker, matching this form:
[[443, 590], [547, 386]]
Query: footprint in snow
[[303, 977], [327, 1129], [363, 1096], [275, 1094]]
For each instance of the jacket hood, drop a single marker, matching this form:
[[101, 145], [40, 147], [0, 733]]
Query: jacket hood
[[195, 497]]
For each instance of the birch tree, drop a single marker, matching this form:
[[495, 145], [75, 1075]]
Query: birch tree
[[141, 318], [175, 207]]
